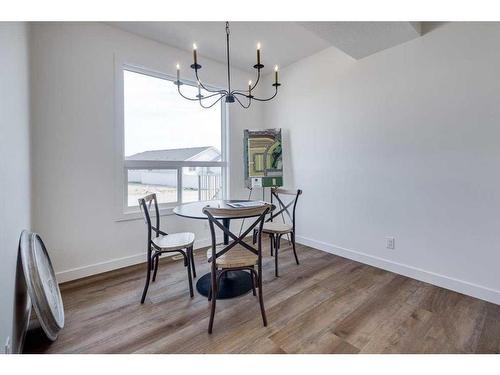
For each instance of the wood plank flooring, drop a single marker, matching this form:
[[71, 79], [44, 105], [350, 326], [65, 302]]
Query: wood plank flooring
[[327, 304]]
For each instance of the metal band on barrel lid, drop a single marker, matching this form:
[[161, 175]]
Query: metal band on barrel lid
[[42, 284]]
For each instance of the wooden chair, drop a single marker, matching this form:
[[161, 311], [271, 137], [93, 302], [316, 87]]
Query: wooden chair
[[275, 229], [237, 255], [161, 243]]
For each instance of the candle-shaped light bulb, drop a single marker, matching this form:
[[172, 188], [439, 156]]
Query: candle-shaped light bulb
[[258, 53], [276, 74], [249, 87], [194, 53], [199, 89], [178, 72]]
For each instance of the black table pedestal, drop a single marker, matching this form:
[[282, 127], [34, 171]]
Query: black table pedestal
[[232, 284]]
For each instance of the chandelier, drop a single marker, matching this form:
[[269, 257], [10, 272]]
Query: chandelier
[[243, 97]]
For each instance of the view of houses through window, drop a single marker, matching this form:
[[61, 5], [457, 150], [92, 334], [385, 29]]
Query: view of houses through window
[[173, 147]]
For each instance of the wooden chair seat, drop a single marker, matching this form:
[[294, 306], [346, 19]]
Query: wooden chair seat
[[273, 227], [174, 241], [234, 258]]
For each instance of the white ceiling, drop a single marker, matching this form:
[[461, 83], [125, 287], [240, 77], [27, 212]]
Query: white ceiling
[[361, 39], [282, 42]]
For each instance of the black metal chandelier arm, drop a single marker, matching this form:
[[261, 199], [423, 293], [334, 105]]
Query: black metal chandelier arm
[[197, 98], [217, 93], [257, 80], [211, 105], [266, 100], [204, 88], [211, 95], [184, 96], [244, 106], [245, 94]]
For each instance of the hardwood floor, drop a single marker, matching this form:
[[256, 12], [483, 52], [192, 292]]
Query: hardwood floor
[[328, 304]]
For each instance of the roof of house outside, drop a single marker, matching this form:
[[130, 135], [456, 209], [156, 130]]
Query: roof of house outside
[[179, 154]]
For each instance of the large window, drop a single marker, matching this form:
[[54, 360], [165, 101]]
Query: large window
[[172, 146]]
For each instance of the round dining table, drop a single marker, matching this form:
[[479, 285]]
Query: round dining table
[[234, 283]]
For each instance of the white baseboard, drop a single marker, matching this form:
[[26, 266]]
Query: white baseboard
[[461, 286], [112, 264]]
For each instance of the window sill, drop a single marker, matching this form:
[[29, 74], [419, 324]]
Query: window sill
[[137, 214]]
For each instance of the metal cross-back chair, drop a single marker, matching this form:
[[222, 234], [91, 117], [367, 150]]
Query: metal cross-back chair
[[236, 255], [277, 229], [161, 242]]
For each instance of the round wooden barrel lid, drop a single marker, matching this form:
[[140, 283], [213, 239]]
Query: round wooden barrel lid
[[42, 284]]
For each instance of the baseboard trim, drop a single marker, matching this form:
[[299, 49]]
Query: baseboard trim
[[447, 282], [112, 264]]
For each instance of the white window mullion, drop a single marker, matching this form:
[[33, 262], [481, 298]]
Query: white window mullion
[[179, 184]]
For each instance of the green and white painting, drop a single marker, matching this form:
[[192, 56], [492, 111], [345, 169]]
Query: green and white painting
[[263, 158]]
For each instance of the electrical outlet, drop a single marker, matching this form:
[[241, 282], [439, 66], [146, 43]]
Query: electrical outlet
[[389, 243], [7, 348]]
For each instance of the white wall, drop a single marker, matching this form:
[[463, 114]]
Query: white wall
[[73, 148], [402, 143], [14, 163]]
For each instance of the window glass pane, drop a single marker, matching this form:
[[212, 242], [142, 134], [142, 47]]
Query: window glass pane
[[161, 125], [142, 182], [201, 183]]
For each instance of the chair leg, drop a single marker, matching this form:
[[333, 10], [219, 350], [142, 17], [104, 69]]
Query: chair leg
[[210, 289], [254, 237], [148, 276], [276, 249], [156, 261], [192, 261], [189, 275], [213, 293], [271, 239], [253, 283], [293, 247], [261, 300], [152, 262]]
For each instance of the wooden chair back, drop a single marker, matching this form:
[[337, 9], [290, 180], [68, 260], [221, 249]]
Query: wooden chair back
[[214, 214], [145, 204], [283, 207], [235, 213]]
